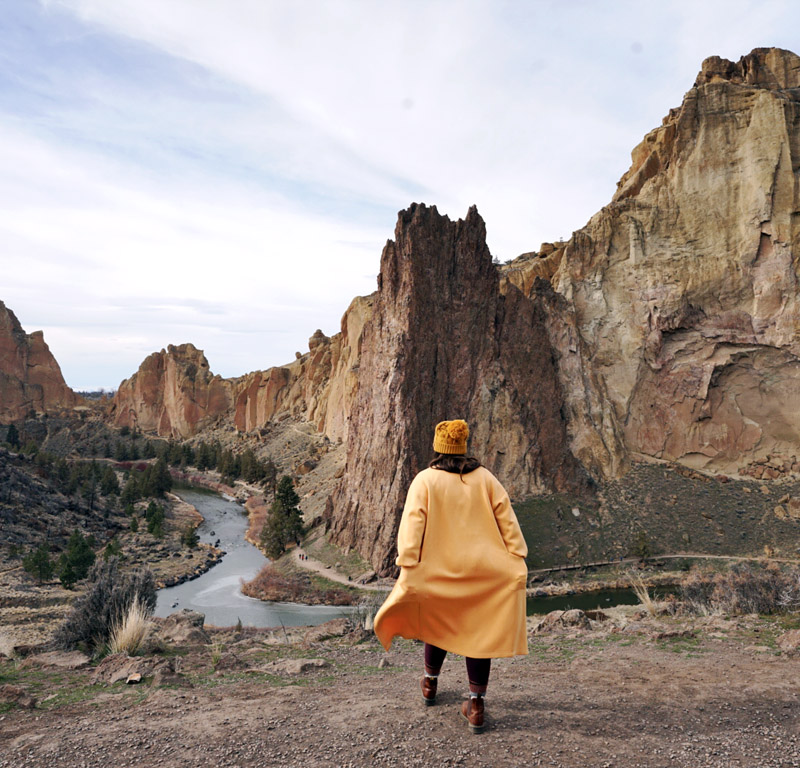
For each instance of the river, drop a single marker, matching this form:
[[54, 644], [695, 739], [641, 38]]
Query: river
[[217, 592]]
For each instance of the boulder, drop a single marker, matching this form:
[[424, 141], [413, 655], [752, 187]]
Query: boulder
[[120, 667], [575, 618], [292, 666], [789, 642], [334, 628], [13, 694], [548, 623], [185, 627]]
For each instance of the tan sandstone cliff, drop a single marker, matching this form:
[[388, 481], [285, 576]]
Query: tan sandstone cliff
[[684, 288], [174, 393], [30, 378]]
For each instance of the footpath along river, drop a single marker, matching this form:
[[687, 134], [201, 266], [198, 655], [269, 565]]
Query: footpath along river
[[217, 592]]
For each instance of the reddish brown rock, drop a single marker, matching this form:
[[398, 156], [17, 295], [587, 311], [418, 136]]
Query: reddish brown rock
[[444, 342], [172, 394], [30, 378]]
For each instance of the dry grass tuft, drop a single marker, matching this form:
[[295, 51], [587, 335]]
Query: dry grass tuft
[[128, 633], [643, 594]]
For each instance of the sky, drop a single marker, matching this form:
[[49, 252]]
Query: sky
[[227, 172]]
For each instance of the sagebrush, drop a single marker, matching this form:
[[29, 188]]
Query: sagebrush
[[742, 589], [108, 597]]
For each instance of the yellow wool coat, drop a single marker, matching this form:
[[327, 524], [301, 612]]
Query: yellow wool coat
[[463, 573]]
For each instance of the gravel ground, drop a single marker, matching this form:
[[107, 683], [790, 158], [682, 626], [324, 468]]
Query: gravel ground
[[589, 699]]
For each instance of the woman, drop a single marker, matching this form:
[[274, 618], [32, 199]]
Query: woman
[[463, 574]]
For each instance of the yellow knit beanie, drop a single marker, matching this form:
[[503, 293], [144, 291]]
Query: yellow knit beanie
[[451, 437]]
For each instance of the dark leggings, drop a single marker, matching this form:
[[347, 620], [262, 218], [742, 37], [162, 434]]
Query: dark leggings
[[477, 669]]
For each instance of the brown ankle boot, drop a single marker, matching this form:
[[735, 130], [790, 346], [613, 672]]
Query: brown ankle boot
[[472, 709], [428, 685]]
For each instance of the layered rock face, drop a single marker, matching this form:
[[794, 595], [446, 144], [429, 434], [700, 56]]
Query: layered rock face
[[444, 342], [30, 378], [683, 290], [318, 387], [173, 394]]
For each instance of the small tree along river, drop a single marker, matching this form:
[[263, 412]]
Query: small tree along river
[[217, 592]]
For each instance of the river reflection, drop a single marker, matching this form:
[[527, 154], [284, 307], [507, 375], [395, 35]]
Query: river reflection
[[216, 593]]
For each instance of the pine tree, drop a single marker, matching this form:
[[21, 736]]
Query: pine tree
[[109, 485], [130, 491], [38, 563], [79, 555], [286, 494], [12, 436], [189, 536], [66, 573], [273, 534]]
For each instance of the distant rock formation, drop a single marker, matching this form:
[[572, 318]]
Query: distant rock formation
[[30, 379], [444, 342], [173, 394], [318, 387]]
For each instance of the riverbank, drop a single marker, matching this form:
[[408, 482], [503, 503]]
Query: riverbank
[[29, 612]]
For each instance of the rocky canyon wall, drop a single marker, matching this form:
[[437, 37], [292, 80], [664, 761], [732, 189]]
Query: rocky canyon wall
[[444, 342], [30, 378], [683, 290], [174, 393], [667, 327]]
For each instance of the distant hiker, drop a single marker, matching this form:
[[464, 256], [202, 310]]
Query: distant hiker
[[462, 570]]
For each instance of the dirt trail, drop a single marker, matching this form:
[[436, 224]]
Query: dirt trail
[[588, 699], [331, 573]]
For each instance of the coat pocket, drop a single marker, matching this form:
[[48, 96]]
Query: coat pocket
[[518, 571]]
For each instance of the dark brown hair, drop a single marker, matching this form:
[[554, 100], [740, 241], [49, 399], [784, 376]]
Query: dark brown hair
[[456, 463]]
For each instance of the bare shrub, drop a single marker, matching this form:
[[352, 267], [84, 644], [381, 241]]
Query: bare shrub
[[128, 634], [741, 590], [106, 601], [271, 584]]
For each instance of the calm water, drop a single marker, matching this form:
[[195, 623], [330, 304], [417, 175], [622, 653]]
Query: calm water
[[216, 593], [589, 600]]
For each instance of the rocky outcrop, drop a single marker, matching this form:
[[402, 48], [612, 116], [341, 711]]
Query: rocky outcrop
[[683, 291], [30, 378], [445, 342], [173, 394], [319, 387]]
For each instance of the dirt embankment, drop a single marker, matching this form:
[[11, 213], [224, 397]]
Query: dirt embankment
[[629, 691]]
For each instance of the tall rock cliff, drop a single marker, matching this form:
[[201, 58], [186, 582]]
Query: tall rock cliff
[[173, 394], [444, 342], [30, 378], [683, 290], [317, 387]]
